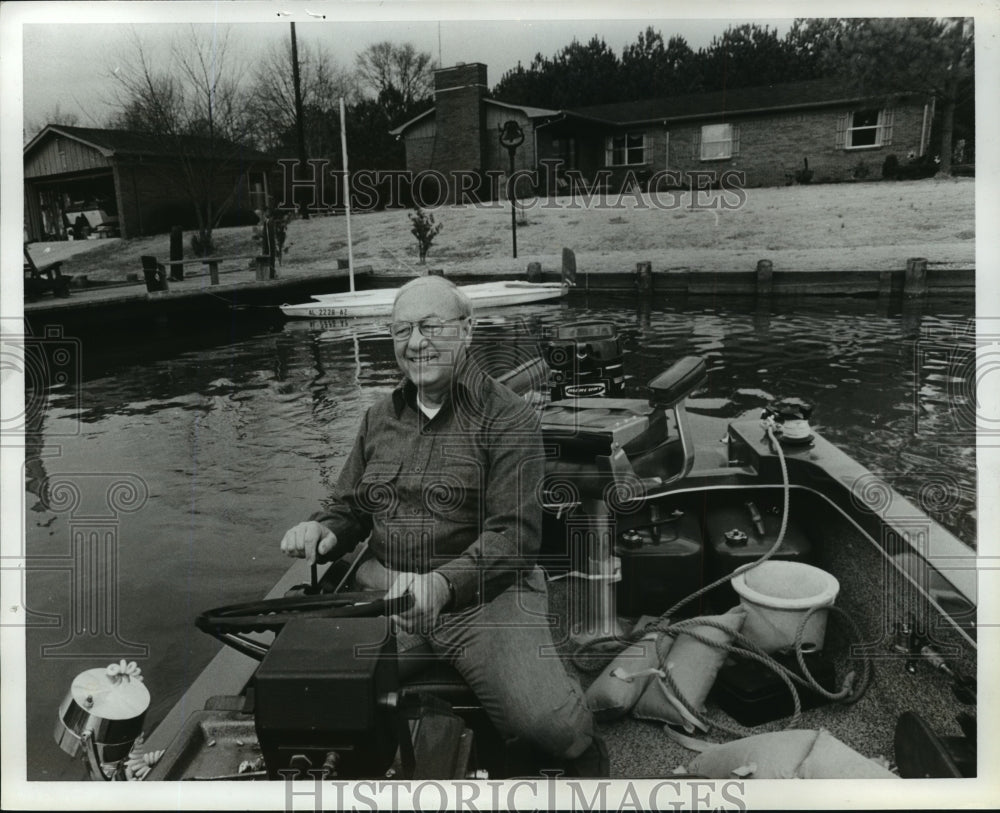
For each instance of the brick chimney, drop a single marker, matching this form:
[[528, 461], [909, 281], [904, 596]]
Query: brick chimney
[[460, 117]]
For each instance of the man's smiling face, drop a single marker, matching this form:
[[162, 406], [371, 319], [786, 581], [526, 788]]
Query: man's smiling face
[[429, 361]]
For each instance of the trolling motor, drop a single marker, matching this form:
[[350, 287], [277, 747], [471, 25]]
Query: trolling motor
[[789, 418]]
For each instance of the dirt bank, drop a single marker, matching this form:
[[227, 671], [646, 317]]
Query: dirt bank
[[862, 226]]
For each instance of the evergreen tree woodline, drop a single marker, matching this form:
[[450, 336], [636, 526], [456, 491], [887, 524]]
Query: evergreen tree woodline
[[878, 56]]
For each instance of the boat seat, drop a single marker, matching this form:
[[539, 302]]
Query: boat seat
[[442, 680]]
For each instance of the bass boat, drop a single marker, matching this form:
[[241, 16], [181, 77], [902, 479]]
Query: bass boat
[[773, 594]]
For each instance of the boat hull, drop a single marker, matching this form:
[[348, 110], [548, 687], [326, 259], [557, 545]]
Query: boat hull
[[378, 302]]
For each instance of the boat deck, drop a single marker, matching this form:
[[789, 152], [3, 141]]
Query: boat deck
[[640, 749], [872, 592]]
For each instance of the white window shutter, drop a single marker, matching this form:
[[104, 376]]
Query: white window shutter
[[608, 147], [887, 121], [842, 124], [735, 136]]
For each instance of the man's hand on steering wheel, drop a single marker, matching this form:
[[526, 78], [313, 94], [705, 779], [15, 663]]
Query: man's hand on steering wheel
[[430, 595], [307, 539]]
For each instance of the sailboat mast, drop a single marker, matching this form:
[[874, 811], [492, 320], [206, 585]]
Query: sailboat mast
[[347, 194]]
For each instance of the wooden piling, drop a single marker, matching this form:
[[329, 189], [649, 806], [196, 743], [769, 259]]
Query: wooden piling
[[213, 272], [568, 266], [177, 253], [534, 272], [644, 277], [435, 272], [264, 268], [765, 277], [885, 283], [915, 281]]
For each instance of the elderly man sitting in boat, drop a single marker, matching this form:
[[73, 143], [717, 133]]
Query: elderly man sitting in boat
[[441, 482]]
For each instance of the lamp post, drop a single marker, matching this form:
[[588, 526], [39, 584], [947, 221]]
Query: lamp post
[[511, 137]]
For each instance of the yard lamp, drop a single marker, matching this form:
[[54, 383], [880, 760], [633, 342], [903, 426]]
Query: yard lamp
[[511, 137]]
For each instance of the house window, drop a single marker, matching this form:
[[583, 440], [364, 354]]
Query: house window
[[625, 150], [867, 128], [716, 142]]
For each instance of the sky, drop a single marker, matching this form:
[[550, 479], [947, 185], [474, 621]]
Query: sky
[[68, 56]]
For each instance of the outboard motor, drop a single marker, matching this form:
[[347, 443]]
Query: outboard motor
[[585, 361], [612, 453]]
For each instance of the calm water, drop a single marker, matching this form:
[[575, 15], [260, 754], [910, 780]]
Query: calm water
[[225, 446]]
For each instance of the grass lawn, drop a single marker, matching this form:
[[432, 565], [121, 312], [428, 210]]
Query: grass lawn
[[852, 226]]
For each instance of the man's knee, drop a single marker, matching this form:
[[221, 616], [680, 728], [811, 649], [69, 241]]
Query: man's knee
[[564, 731]]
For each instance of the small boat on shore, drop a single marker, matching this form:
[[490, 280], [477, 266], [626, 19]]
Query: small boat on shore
[[644, 506], [378, 301]]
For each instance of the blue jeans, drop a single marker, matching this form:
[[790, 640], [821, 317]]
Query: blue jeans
[[504, 651]]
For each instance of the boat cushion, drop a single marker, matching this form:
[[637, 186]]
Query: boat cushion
[[693, 665], [775, 755], [792, 754], [832, 759], [618, 687]]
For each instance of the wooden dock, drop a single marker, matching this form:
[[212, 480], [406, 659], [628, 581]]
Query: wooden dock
[[220, 296], [194, 297]]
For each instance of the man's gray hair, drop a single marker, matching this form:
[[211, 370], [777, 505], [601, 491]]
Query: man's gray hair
[[446, 285]]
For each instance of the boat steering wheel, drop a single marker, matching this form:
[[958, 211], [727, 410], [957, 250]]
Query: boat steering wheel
[[233, 623]]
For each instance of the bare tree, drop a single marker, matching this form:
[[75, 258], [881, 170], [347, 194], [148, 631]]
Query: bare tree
[[55, 115], [194, 109], [398, 75], [271, 98]]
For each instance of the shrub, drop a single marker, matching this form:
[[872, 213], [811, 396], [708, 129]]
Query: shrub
[[425, 230], [202, 248], [860, 171], [804, 175]]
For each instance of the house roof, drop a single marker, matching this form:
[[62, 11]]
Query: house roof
[[528, 110], [129, 142], [761, 98]]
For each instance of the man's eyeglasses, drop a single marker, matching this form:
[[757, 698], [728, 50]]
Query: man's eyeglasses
[[429, 328]]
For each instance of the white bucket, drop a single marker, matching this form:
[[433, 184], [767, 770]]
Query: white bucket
[[777, 595]]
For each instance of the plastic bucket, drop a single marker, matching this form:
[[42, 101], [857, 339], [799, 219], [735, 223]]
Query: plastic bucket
[[777, 595]]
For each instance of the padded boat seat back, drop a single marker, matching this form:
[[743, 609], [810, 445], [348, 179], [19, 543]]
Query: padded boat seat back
[[585, 427]]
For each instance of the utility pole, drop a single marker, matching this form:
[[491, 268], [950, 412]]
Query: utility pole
[[299, 128]]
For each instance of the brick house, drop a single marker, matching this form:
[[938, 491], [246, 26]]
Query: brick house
[[769, 133], [130, 183]]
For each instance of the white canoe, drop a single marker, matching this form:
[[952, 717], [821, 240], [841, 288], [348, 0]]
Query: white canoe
[[378, 302]]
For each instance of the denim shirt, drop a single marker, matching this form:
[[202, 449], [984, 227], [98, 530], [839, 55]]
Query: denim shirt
[[457, 492]]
